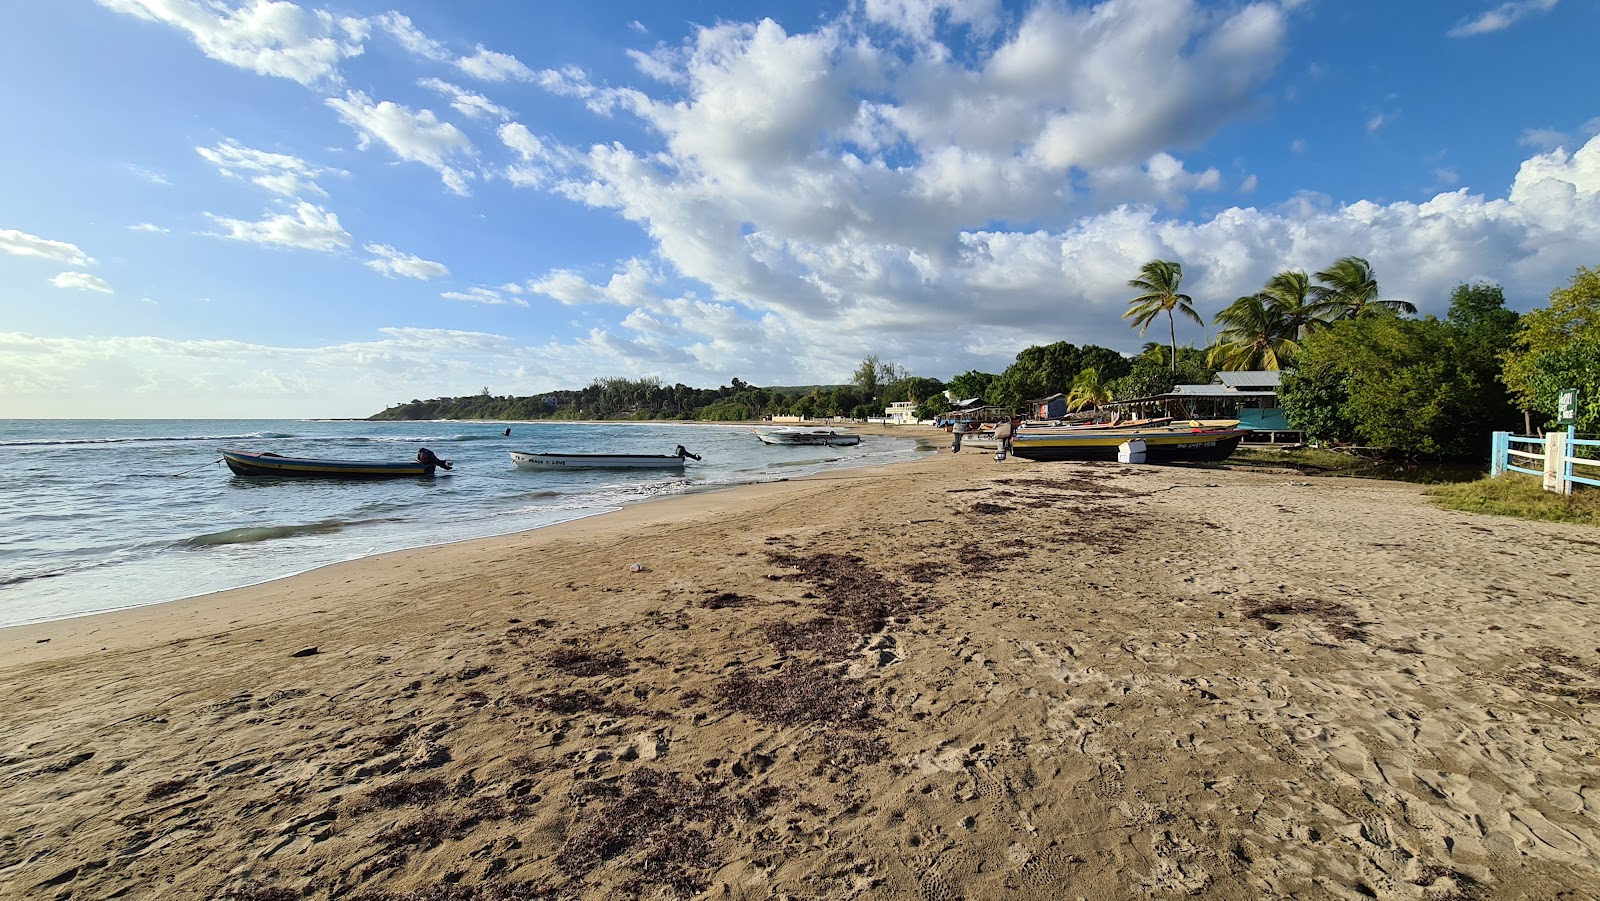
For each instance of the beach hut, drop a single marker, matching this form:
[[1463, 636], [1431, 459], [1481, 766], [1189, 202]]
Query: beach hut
[[1052, 407], [1249, 396]]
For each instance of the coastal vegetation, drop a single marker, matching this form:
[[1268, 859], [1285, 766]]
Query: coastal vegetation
[[1359, 369], [1519, 496]]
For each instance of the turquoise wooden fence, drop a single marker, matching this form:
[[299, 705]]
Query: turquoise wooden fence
[[1550, 457]]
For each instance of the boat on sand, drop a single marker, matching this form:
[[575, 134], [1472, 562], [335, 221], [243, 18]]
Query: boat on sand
[[1188, 441]]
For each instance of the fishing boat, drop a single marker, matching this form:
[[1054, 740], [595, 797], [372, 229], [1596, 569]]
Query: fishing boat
[[674, 460], [797, 435], [1179, 441], [270, 464]]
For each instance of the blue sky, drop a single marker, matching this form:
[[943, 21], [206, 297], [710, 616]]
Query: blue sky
[[255, 209]]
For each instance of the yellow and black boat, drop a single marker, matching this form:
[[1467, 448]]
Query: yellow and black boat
[[1179, 441]]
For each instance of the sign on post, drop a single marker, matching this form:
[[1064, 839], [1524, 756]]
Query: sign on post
[[1567, 407]]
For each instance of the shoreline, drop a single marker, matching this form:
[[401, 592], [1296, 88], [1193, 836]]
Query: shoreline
[[947, 677]]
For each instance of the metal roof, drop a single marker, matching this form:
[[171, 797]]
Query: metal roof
[[1203, 391], [1249, 380]]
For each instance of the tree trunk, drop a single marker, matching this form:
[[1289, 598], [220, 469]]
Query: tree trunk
[[1172, 329]]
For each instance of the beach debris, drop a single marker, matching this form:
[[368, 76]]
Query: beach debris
[[635, 568], [306, 652]]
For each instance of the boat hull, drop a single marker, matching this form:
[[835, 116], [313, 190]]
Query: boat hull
[[247, 464], [595, 461], [807, 438], [1160, 447]]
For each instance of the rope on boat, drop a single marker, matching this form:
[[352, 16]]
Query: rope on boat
[[197, 468]]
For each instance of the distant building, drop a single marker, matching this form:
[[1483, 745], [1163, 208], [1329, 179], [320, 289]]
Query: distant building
[[902, 412], [1052, 407], [1249, 396]]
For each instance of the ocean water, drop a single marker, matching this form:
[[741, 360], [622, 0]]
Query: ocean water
[[102, 515]]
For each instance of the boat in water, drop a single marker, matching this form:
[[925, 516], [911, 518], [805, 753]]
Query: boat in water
[[1191, 441], [269, 464], [674, 460], [802, 435]]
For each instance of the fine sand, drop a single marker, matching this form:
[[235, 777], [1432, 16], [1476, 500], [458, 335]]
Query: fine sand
[[950, 678]]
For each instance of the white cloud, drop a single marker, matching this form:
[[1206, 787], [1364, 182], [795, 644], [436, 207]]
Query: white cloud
[[416, 136], [22, 244], [393, 263], [82, 281], [634, 286], [1248, 185], [148, 227], [480, 294], [409, 36], [309, 227], [1542, 138], [465, 102], [491, 66], [919, 19], [1501, 17], [269, 37], [155, 178], [1376, 122], [279, 173]]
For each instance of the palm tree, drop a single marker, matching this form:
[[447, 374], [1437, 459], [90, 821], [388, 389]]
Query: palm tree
[[1088, 389], [1296, 301], [1159, 279], [1349, 289], [1257, 336]]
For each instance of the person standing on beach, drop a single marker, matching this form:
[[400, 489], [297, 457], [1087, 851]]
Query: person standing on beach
[[956, 433]]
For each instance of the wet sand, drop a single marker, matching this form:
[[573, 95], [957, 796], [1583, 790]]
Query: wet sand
[[948, 678]]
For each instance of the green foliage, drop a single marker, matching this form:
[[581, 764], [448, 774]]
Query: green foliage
[[1574, 365], [1573, 313], [1089, 389], [1110, 364], [932, 408], [1038, 371], [1159, 280], [1256, 336], [972, 383], [913, 388], [1404, 387], [1155, 372], [1349, 290]]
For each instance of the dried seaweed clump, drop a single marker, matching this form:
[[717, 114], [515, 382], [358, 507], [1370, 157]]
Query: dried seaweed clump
[[727, 599], [574, 701], [254, 892], [665, 822], [850, 589], [519, 890], [405, 791], [576, 662], [165, 788], [1339, 619], [1557, 673], [829, 636], [801, 692], [843, 751]]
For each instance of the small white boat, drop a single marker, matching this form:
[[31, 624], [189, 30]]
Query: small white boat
[[813, 436], [674, 460]]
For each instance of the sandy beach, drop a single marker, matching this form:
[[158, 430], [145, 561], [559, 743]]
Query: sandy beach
[[949, 678]]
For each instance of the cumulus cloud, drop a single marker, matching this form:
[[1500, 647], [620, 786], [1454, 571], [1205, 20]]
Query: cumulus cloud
[[309, 227], [270, 37], [280, 173], [22, 244], [1501, 17], [81, 281], [393, 263], [416, 136], [635, 286], [407, 35], [148, 227]]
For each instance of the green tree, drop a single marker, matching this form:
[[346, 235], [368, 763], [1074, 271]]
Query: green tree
[[1256, 335], [1575, 364], [1295, 300], [1038, 371], [1155, 371], [1350, 289], [1089, 389], [1573, 314], [869, 377], [1402, 384], [1112, 365], [971, 383], [1159, 280]]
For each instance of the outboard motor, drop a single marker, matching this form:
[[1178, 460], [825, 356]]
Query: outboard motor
[[431, 461], [683, 453]]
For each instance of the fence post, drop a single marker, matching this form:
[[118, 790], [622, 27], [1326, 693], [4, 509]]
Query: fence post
[[1568, 448], [1499, 443], [1553, 442]]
